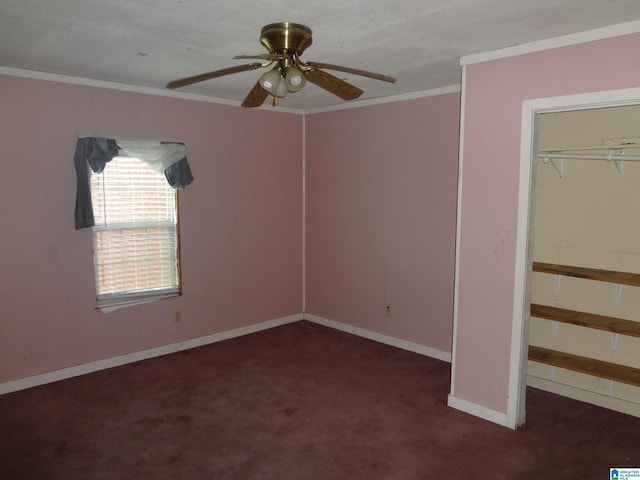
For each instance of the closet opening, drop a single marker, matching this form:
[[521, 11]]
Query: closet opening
[[576, 323]]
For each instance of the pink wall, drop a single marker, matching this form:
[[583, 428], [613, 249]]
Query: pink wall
[[381, 207], [494, 94], [240, 224]]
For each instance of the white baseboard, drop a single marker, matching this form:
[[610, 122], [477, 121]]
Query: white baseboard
[[479, 411], [49, 377], [379, 337], [605, 401], [56, 375]]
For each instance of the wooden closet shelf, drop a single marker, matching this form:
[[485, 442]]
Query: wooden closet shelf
[[611, 276], [590, 366], [583, 319]]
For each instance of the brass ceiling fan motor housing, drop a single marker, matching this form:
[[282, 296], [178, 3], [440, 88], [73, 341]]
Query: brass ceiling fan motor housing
[[286, 36]]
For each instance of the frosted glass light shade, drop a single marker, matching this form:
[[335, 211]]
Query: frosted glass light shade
[[294, 79], [271, 80], [281, 89]]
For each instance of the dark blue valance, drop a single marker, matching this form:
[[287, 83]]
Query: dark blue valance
[[97, 151]]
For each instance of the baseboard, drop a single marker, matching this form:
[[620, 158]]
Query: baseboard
[[49, 377], [379, 337], [479, 411], [604, 401], [56, 375]]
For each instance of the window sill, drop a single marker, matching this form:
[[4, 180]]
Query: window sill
[[110, 303]]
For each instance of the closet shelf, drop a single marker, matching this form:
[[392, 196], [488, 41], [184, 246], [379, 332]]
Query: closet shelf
[[591, 320], [576, 363], [617, 159], [589, 366], [611, 157], [623, 278]]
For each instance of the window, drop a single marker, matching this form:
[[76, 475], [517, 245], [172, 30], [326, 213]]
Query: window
[[135, 237]]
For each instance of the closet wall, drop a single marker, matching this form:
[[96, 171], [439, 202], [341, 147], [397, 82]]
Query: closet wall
[[587, 216]]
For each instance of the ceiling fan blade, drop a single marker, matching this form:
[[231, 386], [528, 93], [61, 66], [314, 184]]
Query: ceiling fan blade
[[256, 96], [262, 56], [362, 73], [332, 84], [208, 76]]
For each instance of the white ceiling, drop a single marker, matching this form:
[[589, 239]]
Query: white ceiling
[[150, 42]]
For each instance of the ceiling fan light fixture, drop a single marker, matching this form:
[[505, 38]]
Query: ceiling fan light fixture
[[294, 79], [271, 80], [281, 88]]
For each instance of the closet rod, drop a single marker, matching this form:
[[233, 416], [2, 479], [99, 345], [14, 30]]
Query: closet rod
[[587, 156]]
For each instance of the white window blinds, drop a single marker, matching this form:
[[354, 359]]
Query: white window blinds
[[135, 234]]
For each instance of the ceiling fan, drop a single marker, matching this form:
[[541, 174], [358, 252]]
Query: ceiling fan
[[286, 42]]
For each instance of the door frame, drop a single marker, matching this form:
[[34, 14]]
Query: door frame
[[524, 240]]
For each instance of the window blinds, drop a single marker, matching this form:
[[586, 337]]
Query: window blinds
[[135, 234]]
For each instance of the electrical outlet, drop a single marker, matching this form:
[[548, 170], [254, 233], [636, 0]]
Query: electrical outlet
[[177, 316], [387, 311]]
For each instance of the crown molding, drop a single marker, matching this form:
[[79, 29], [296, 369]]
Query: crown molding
[[124, 87], [555, 42], [389, 99]]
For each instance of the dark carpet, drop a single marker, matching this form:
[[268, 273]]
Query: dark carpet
[[296, 402]]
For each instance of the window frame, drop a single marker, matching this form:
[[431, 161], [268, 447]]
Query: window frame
[[128, 297]]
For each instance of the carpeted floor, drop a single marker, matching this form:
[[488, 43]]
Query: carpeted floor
[[296, 402]]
